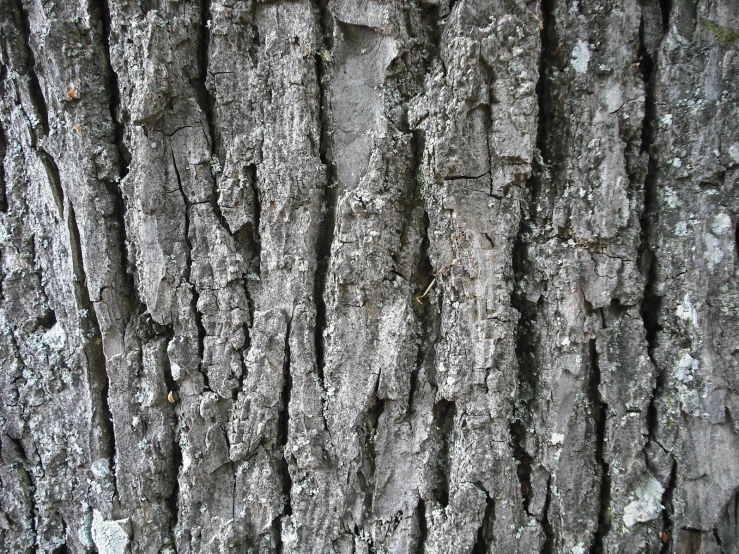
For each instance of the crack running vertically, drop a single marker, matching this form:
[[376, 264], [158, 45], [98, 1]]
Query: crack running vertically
[[527, 379], [651, 304], [444, 413], [600, 416], [374, 413], [207, 104], [3, 149], [98, 375], [188, 276], [325, 238], [485, 532], [667, 511], [423, 530], [283, 431], [32, 81]]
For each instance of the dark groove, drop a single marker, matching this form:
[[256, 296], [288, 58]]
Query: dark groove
[[173, 499], [444, 413], [374, 414], [423, 530], [426, 313], [3, 150], [114, 97], [130, 296], [52, 172], [668, 509], [207, 103], [283, 430], [325, 237], [527, 378], [666, 9], [188, 261], [485, 531], [600, 416], [543, 86], [651, 304], [548, 546], [32, 81], [256, 237], [24, 467], [99, 382]]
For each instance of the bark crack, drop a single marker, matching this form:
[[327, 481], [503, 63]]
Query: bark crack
[[600, 416], [188, 271], [99, 382], [32, 81], [283, 431], [325, 237]]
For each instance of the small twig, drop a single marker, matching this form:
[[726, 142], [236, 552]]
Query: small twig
[[433, 281], [431, 284]]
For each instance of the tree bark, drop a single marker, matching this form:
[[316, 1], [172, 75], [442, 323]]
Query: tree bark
[[390, 276]]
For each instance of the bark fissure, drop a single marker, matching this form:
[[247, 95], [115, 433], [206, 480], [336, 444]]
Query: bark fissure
[[34, 86], [376, 409], [600, 416], [423, 530], [325, 237], [444, 413], [188, 276], [667, 512], [207, 103], [283, 429], [651, 304], [548, 546], [3, 150], [99, 381], [484, 532]]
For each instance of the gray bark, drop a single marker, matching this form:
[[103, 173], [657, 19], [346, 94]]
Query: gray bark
[[390, 276]]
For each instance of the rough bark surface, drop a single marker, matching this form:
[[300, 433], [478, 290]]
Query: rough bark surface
[[389, 276]]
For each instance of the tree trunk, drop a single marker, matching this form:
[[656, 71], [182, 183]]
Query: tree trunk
[[369, 276]]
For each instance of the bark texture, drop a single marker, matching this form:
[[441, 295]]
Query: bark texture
[[389, 276]]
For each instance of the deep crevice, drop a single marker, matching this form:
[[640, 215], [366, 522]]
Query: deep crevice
[[98, 376], [376, 409], [207, 104], [283, 430], [666, 9], [667, 534], [34, 86], [651, 304], [130, 295], [325, 236], [444, 413], [485, 531], [426, 311], [548, 546], [423, 530], [193, 290], [600, 416], [52, 172], [3, 150], [527, 379], [173, 499]]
